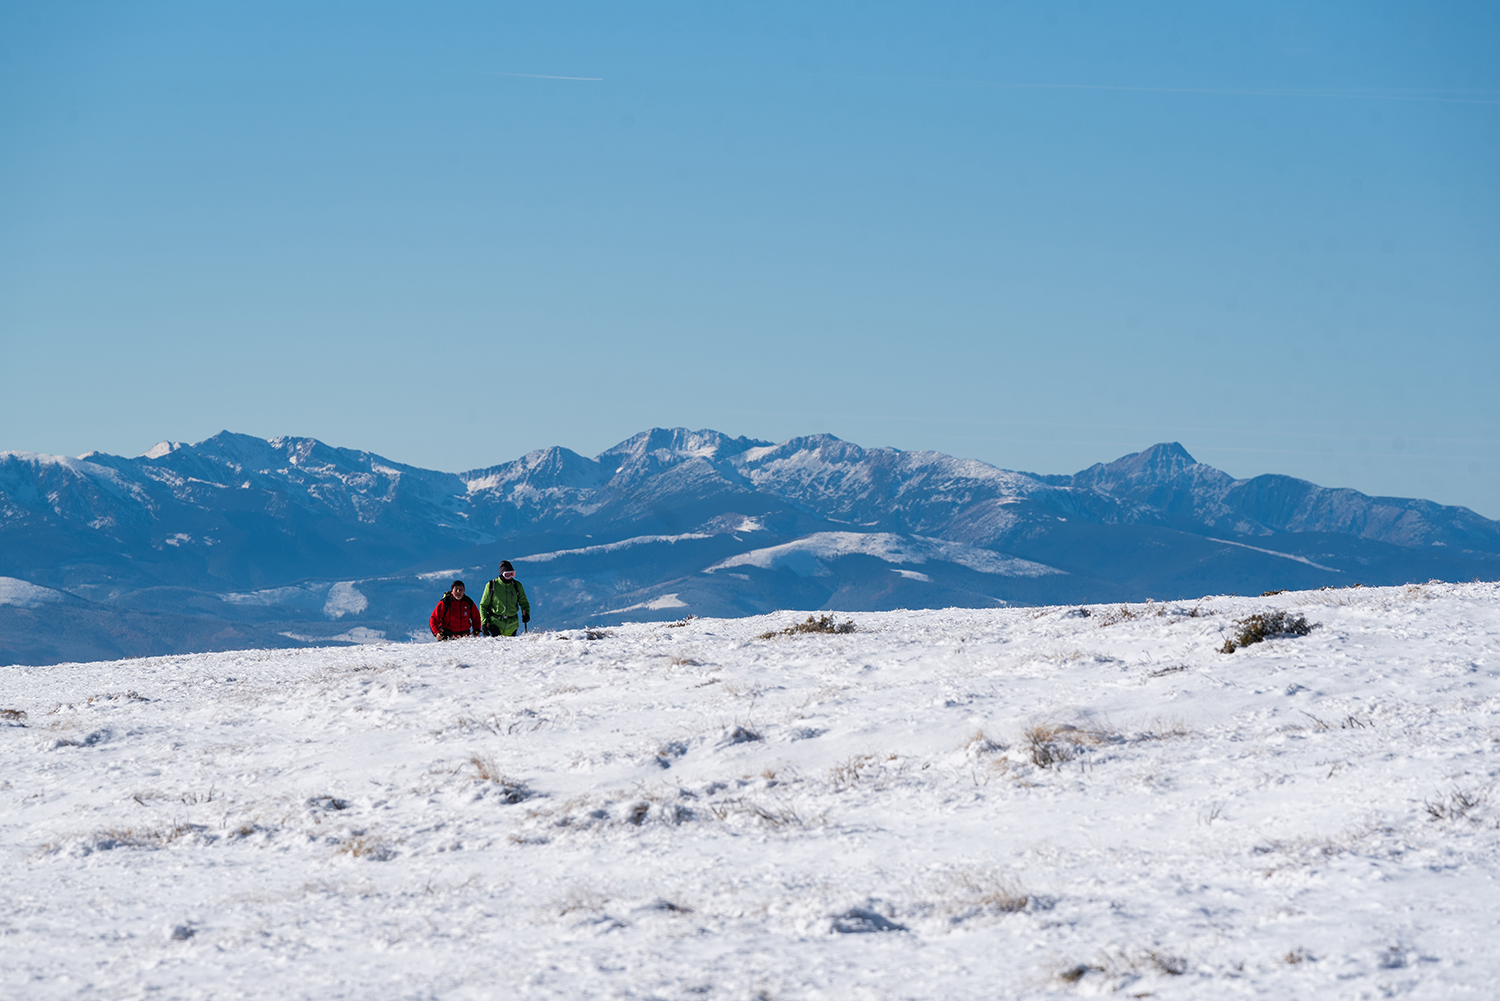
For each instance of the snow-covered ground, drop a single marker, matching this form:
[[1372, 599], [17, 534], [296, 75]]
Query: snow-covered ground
[[965, 804]]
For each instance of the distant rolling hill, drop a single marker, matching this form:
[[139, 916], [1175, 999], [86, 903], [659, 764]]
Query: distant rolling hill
[[238, 541]]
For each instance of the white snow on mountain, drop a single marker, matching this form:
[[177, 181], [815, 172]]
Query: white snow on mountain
[[24, 594], [344, 599], [271, 595], [802, 554], [654, 605], [613, 547], [359, 634], [1020, 803], [1272, 552], [160, 449]]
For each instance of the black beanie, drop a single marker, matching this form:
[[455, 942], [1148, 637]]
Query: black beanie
[[505, 565]]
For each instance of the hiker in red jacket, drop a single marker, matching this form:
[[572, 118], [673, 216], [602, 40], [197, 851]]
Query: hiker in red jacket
[[455, 615]]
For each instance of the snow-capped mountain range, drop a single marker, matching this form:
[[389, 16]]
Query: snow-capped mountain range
[[239, 541]]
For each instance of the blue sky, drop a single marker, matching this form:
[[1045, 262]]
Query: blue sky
[[1040, 235]]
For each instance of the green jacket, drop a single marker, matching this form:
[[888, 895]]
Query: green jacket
[[503, 603]]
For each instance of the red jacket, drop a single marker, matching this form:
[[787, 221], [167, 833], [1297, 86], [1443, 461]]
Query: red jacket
[[457, 616]]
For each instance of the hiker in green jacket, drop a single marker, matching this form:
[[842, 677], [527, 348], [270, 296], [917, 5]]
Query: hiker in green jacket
[[503, 598]]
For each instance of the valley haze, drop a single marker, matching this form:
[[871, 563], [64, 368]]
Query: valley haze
[[239, 542]]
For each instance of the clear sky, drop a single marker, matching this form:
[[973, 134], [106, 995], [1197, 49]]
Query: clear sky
[[1041, 235]]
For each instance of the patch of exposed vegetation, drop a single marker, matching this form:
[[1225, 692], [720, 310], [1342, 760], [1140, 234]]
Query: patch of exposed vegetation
[[1456, 805], [742, 733], [1265, 626], [822, 624], [1054, 743], [365, 846], [511, 790]]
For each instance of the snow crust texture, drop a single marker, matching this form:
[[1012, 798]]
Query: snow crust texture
[[999, 803]]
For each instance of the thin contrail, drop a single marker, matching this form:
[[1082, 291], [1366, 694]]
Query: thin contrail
[[543, 76]]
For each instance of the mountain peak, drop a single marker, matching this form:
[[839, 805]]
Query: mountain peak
[[1170, 450], [704, 442], [1167, 457], [1161, 462], [160, 449]]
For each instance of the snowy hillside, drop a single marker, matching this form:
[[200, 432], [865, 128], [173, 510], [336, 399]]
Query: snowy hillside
[[1007, 803], [237, 541]]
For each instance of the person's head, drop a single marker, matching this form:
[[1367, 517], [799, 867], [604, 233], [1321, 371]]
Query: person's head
[[507, 572], [457, 590]]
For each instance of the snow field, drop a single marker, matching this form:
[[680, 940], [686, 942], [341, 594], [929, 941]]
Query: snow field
[[942, 804]]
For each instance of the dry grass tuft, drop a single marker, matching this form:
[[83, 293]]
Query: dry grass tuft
[[484, 768], [492, 723], [847, 774], [1305, 852], [13, 717], [775, 817], [1124, 967], [1073, 974], [742, 733], [140, 837], [1054, 743], [1162, 728], [129, 696], [736, 690], [365, 846], [511, 790], [822, 624], [1172, 966], [1045, 752], [1264, 626], [1125, 613], [987, 893], [979, 745], [1456, 805]]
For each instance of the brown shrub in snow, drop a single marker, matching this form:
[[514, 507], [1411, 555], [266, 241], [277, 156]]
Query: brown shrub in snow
[[1264, 626]]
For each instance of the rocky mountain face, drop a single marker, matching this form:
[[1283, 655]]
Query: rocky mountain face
[[239, 541]]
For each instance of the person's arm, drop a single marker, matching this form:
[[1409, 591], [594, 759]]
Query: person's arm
[[435, 620], [487, 603], [522, 602], [475, 627]]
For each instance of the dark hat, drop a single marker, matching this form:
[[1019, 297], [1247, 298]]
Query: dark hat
[[505, 565]]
